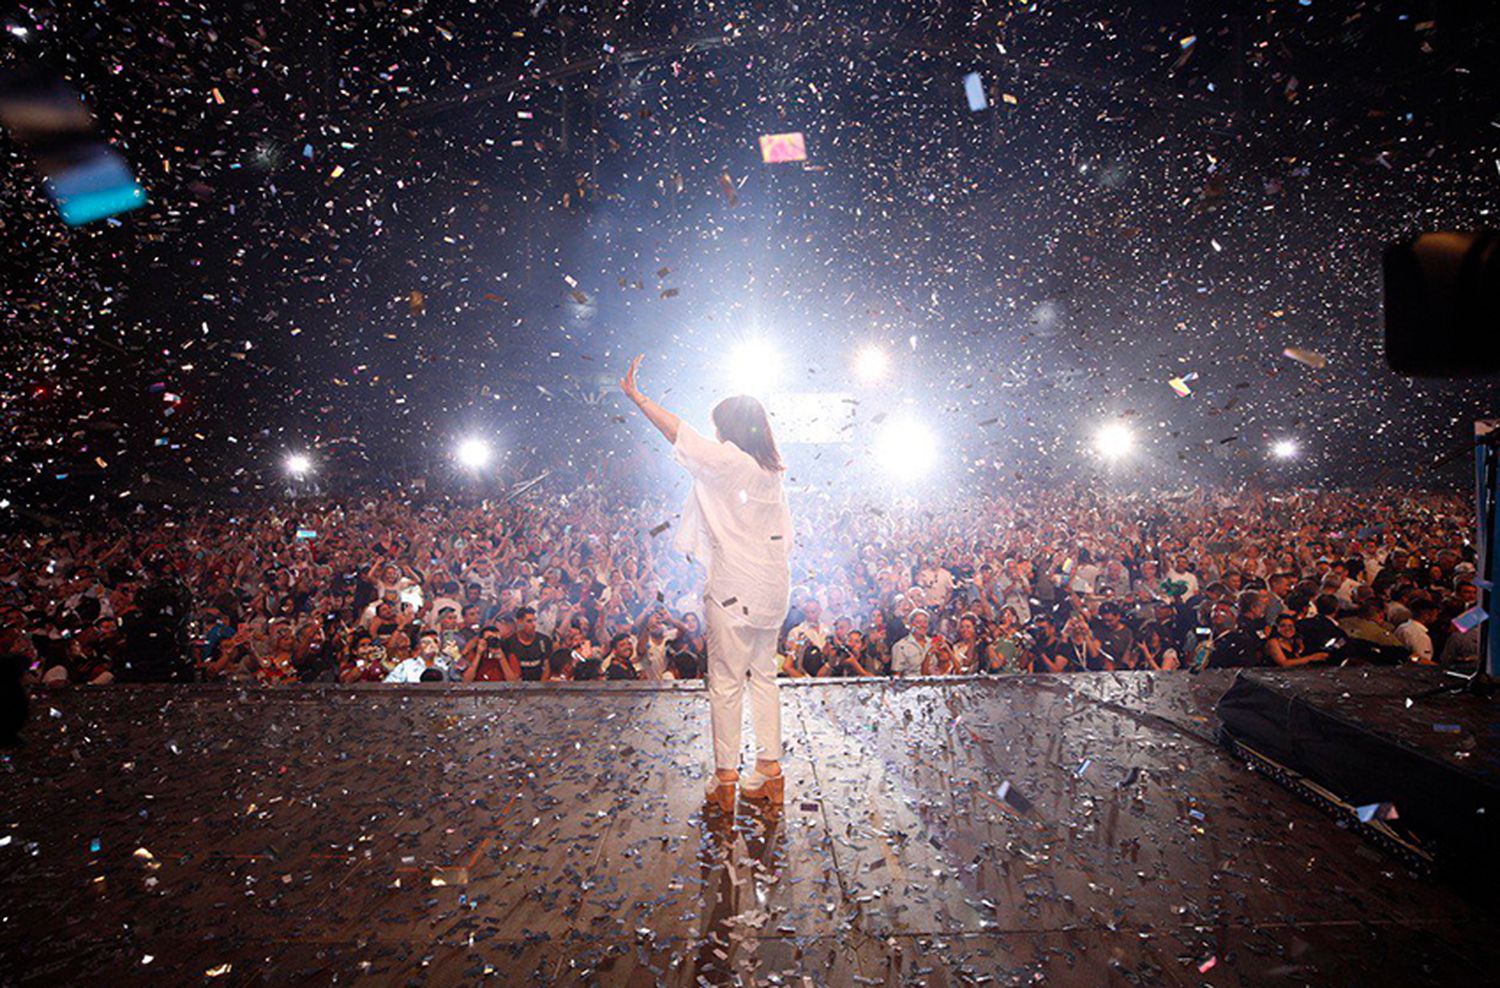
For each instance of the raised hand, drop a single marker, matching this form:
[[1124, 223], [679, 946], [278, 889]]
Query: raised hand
[[666, 422], [627, 383]]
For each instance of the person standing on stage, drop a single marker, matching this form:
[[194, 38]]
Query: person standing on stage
[[737, 523]]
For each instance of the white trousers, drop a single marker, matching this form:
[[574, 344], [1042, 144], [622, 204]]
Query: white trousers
[[733, 651]]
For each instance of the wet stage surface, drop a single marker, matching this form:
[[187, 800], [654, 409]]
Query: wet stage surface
[[1068, 830]]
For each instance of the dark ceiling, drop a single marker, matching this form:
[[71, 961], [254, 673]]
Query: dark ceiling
[[375, 226]]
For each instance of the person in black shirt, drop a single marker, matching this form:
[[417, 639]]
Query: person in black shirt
[[1080, 650], [876, 657], [621, 658], [1322, 633], [815, 662], [684, 663], [574, 658], [386, 622], [1114, 635], [849, 656], [1285, 649], [1245, 645], [526, 651], [562, 663], [1044, 643], [588, 670]]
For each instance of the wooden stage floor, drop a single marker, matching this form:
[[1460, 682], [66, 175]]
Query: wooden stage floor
[[438, 835]]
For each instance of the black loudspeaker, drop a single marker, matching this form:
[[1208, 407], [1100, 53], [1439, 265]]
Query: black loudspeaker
[[1442, 305]]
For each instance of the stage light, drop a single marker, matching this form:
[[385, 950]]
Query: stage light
[[754, 368], [298, 464], [906, 448], [1114, 441], [1285, 449], [473, 454], [871, 365]]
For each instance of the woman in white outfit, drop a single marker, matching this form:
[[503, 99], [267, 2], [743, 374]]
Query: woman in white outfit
[[737, 524]]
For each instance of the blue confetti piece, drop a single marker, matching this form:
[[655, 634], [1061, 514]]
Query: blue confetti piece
[[1470, 619], [974, 90]]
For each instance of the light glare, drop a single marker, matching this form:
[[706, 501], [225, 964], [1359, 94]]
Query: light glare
[[473, 454], [298, 464], [1114, 441], [754, 368], [906, 449], [1284, 449], [871, 365]]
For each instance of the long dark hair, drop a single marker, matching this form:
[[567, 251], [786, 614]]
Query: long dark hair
[[742, 421]]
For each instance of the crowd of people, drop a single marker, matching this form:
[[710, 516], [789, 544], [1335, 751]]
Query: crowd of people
[[583, 585]]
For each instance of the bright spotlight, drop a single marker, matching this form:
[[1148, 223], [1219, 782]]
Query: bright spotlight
[[906, 448], [298, 464], [1114, 441], [1285, 449], [473, 454], [754, 368], [871, 365]]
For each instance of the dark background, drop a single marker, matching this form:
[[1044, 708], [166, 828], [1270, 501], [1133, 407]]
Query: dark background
[[1054, 257]]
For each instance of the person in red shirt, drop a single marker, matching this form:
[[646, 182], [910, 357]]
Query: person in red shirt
[[488, 665], [364, 663]]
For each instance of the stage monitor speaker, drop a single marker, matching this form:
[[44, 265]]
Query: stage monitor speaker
[[1442, 305]]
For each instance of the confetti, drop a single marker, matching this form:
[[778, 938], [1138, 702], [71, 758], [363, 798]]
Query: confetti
[[85, 177], [778, 148], [726, 186], [1470, 619], [974, 92], [1310, 358]]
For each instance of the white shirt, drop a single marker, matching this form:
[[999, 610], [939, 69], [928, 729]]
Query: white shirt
[[652, 662], [1083, 577], [1414, 636], [546, 619], [410, 670], [1016, 594], [1188, 578], [907, 655], [737, 523], [408, 591]]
